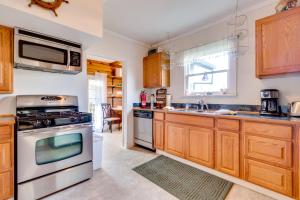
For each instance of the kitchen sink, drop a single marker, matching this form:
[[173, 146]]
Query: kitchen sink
[[194, 111]]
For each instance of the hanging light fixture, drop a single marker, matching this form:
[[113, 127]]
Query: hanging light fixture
[[171, 53], [239, 32]]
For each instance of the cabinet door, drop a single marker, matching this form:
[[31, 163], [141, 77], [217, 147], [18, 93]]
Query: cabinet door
[[174, 139], [6, 60], [228, 153], [6, 185], [274, 178], [158, 127], [278, 44], [5, 132], [152, 71], [277, 152], [6, 155], [200, 146]]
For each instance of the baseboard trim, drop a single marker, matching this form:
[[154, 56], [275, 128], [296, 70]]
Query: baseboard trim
[[237, 181]]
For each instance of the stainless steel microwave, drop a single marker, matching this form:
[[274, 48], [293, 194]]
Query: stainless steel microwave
[[36, 51]]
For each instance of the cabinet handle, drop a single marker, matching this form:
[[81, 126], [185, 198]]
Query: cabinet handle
[[3, 157], [1, 77]]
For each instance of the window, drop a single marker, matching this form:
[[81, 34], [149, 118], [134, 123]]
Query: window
[[97, 95], [211, 69]]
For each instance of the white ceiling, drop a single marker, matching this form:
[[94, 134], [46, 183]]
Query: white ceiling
[[150, 21]]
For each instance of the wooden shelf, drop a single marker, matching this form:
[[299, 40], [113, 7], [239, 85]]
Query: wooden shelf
[[114, 97], [114, 77]]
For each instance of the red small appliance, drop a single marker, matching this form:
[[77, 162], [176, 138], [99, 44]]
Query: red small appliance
[[143, 99]]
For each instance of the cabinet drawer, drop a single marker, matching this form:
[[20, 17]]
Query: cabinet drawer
[[270, 150], [228, 124], [6, 185], [272, 130], [159, 116], [274, 178], [5, 132], [191, 120]]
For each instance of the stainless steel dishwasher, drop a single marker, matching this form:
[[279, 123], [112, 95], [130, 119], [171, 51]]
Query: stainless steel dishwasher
[[143, 128]]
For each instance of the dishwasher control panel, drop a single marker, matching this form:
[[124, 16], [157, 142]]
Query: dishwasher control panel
[[143, 114]]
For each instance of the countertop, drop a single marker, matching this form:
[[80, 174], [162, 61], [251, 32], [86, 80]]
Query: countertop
[[7, 119], [240, 115]]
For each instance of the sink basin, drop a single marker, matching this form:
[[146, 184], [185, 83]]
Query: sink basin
[[194, 111], [206, 111]]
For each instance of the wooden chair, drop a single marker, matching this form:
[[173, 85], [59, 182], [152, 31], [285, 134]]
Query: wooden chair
[[110, 117]]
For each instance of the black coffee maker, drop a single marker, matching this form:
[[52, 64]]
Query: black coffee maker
[[270, 102]]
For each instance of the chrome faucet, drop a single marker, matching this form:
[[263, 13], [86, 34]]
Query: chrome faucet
[[202, 106]]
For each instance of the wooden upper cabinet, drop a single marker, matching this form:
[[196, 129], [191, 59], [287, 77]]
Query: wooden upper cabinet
[[278, 44], [157, 70], [6, 60], [200, 146]]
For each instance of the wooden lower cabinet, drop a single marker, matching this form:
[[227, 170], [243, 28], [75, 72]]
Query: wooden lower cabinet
[[174, 139], [265, 154], [271, 177], [158, 130], [227, 153], [277, 152], [6, 157], [6, 185], [200, 146]]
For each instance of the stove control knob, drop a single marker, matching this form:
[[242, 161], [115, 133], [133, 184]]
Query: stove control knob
[[82, 119], [47, 122], [74, 119]]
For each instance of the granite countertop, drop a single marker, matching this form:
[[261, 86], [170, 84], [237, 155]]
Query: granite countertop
[[240, 115]]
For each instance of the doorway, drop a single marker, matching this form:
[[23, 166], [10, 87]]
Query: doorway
[[105, 88]]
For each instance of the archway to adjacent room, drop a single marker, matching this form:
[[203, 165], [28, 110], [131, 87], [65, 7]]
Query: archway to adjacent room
[[105, 97]]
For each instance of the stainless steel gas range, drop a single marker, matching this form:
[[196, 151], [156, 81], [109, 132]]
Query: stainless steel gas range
[[54, 145]]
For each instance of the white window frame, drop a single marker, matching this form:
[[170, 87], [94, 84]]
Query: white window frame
[[231, 80]]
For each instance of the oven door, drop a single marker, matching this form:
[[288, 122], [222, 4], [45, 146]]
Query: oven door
[[45, 151]]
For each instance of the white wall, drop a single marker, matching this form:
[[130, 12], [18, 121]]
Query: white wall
[[111, 46], [248, 86], [33, 83], [80, 15], [131, 54]]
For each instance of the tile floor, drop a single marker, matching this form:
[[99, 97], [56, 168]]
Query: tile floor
[[116, 180]]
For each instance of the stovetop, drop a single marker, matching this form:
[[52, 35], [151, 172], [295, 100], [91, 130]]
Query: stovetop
[[37, 120]]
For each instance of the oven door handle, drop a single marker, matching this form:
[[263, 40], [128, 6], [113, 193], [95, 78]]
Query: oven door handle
[[57, 131]]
